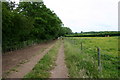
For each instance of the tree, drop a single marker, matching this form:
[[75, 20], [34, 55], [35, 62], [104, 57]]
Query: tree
[[30, 22], [65, 30]]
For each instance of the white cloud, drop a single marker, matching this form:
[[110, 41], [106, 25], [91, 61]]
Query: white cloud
[[86, 15]]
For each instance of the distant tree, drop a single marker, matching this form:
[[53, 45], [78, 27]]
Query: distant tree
[[65, 30], [75, 32]]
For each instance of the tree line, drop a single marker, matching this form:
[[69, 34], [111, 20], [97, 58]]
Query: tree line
[[28, 23], [94, 34]]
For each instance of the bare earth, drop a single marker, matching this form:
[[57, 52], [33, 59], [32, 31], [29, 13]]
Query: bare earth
[[11, 59], [60, 71]]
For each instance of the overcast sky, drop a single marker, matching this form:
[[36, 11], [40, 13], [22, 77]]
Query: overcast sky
[[86, 15]]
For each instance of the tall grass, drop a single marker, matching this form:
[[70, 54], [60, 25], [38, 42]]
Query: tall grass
[[83, 63]]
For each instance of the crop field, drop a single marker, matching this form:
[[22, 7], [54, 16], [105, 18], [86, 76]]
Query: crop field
[[82, 62]]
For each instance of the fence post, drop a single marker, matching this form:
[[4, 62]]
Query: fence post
[[81, 46], [99, 61]]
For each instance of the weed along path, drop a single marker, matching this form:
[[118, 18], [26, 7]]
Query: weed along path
[[33, 54], [60, 70]]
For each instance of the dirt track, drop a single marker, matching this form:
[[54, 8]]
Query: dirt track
[[60, 71], [11, 59], [33, 54]]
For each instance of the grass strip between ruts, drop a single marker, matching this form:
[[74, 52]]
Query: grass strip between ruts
[[43, 67]]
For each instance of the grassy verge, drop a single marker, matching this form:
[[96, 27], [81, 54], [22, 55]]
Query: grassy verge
[[83, 63], [80, 65], [43, 67]]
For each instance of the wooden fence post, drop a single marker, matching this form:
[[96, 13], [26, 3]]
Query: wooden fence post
[[81, 46], [99, 61]]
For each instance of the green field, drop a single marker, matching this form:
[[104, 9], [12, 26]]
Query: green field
[[84, 63]]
